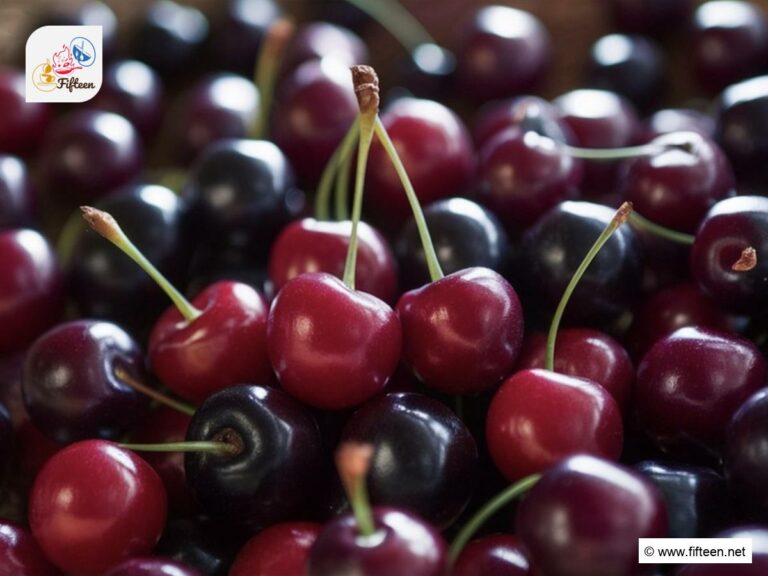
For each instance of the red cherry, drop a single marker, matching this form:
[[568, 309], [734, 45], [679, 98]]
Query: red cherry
[[19, 553], [280, 549], [331, 347], [95, 504], [539, 417], [310, 245], [462, 333], [224, 346], [495, 555]]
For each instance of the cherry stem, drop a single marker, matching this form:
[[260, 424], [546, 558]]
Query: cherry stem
[[221, 448], [609, 154], [342, 188], [343, 151], [396, 20], [134, 383], [265, 75], [658, 230], [367, 91], [106, 226], [353, 460], [619, 218], [491, 507], [435, 271], [747, 260]]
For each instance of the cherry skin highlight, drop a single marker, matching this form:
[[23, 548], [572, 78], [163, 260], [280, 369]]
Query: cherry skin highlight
[[280, 549]]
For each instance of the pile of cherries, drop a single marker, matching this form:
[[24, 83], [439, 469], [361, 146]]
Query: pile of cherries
[[345, 384]]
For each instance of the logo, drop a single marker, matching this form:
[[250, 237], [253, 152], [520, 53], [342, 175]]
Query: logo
[[63, 64]]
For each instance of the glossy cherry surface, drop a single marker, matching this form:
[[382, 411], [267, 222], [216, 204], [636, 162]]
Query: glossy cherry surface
[[728, 228], [324, 40], [280, 549], [691, 382], [70, 387], [24, 123], [224, 346], [584, 518], [201, 543], [95, 504], [270, 478], [88, 13], [759, 537], [152, 567], [679, 120], [238, 32], [73, 141], [310, 245], [424, 457], [464, 235], [402, 544], [31, 287], [19, 553], [462, 333], [331, 347], [494, 555], [522, 436], [430, 70], [504, 52], [16, 194]]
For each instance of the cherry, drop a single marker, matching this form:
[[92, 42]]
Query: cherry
[[464, 234], [95, 504], [19, 553], [310, 245], [66, 157], [758, 535], [430, 70], [651, 17], [24, 123], [504, 52], [89, 13], [584, 353], [152, 567], [730, 227], [135, 91], [729, 42], [495, 555], [605, 508], [31, 288], [72, 383], [691, 382], [6, 440], [323, 40], [462, 333], [16, 199], [200, 543], [280, 549], [276, 456], [424, 457], [679, 120], [678, 185]]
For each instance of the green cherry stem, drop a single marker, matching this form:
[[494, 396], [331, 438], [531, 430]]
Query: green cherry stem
[[646, 225], [491, 507], [396, 20], [367, 91], [134, 383], [619, 218], [435, 271], [106, 226], [267, 65], [221, 448], [353, 461], [343, 151], [342, 188], [610, 154]]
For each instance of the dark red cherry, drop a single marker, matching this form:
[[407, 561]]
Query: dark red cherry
[[651, 17], [495, 555], [521, 175], [462, 333], [216, 107], [430, 70], [280, 549], [89, 153], [402, 544], [464, 234], [679, 120], [315, 106], [89, 13], [16, 194], [522, 435], [331, 347], [70, 385], [436, 150], [676, 186], [317, 41], [584, 353], [731, 226], [729, 42], [504, 52], [31, 288], [759, 537], [278, 449], [746, 454], [691, 382], [24, 123], [605, 508], [7, 443], [224, 346], [152, 567], [19, 553], [95, 504], [310, 245], [201, 543], [424, 457], [135, 91]]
